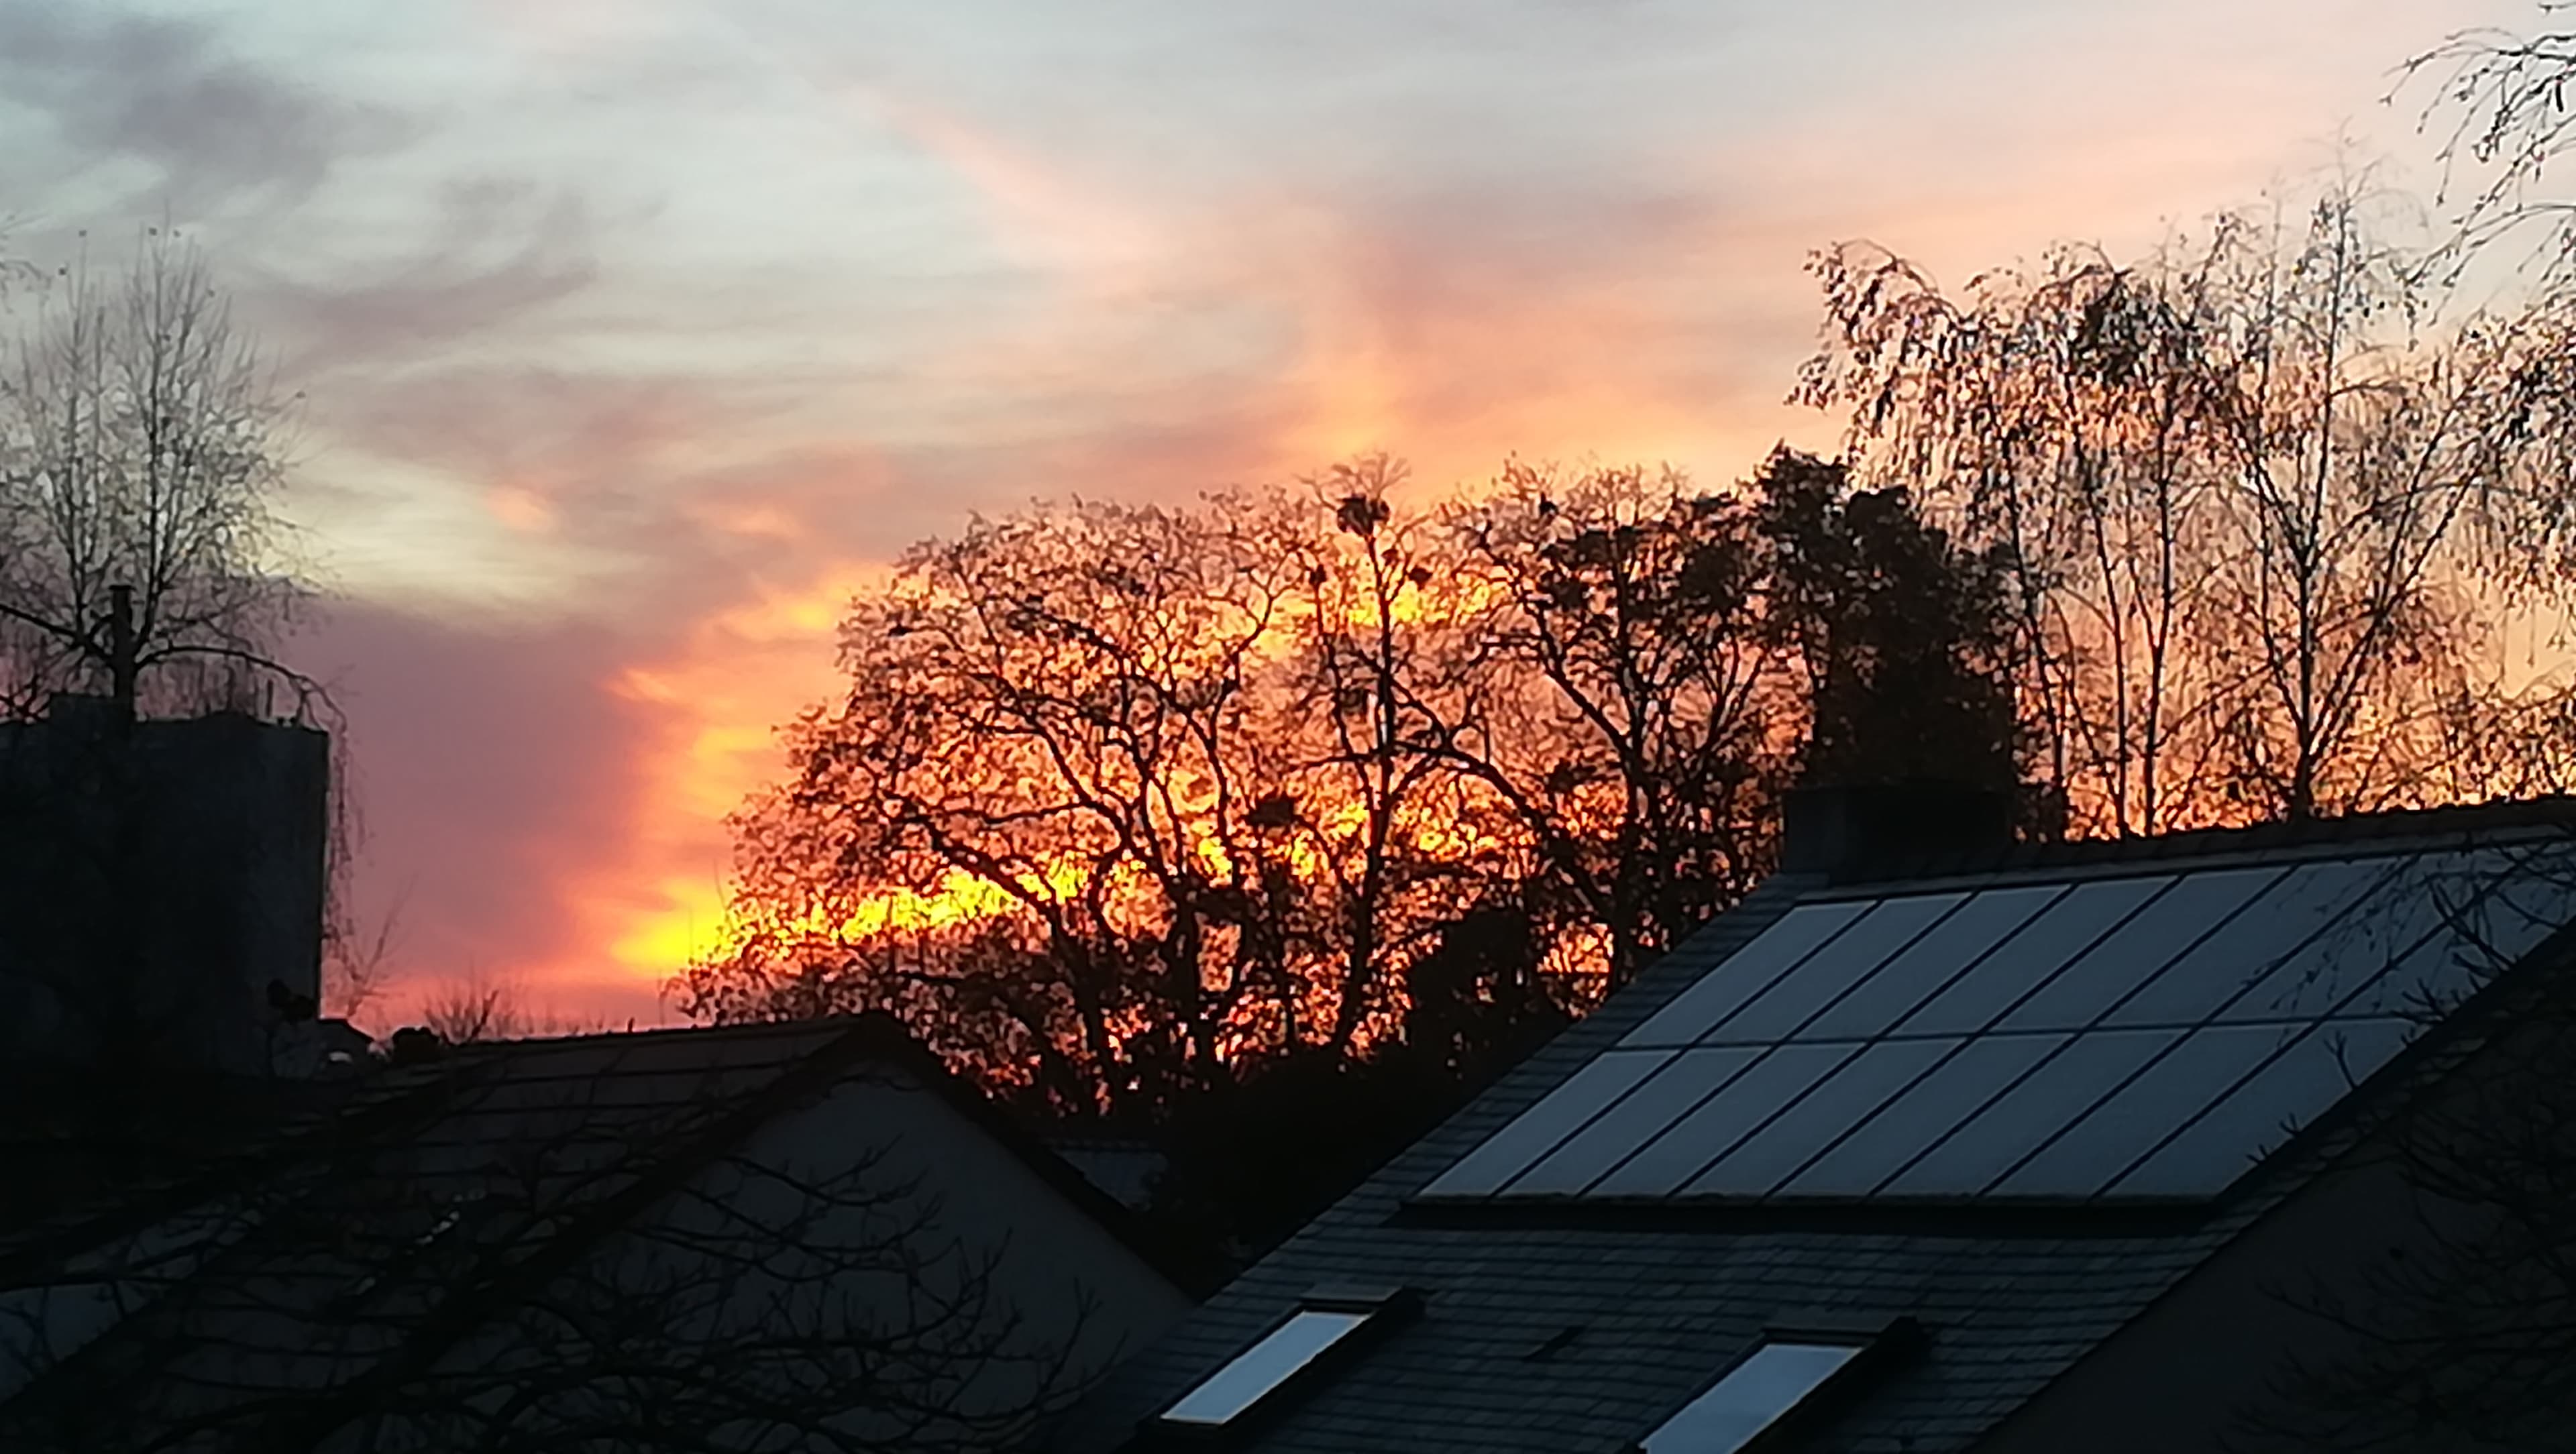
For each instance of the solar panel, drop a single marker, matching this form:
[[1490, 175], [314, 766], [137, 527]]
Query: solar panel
[[1992, 1139], [2483, 920], [2169, 1091], [1787, 1002], [2087, 914], [2526, 909], [2362, 944], [1968, 1078], [2288, 1092], [2141, 1034], [1723, 1119], [1744, 974], [1968, 937], [2170, 926], [1644, 1112], [1833, 1106], [1537, 1130], [2269, 932]]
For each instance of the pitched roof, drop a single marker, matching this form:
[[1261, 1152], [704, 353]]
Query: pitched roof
[[551, 1144], [1570, 1326]]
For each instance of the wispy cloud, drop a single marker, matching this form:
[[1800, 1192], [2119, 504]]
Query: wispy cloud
[[636, 332], [208, 129]]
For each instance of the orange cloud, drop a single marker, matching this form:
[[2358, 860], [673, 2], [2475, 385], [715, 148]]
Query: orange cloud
[[521, 509], [655, 900]]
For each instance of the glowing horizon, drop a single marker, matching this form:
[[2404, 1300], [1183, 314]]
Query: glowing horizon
[[636, 334]]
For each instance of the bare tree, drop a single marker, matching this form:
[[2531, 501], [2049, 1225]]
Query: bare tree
[[2498, 99], [1038, 824], [1401, 836], [141, 461], [2260, 491], [1633, 713], [475, 1009]]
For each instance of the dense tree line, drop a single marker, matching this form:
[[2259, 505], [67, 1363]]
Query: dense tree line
[[2223, 533], [2269, 494], [1175, 790]]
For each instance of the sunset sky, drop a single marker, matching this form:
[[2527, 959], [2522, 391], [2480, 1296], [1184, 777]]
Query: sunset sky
[[636, 334]]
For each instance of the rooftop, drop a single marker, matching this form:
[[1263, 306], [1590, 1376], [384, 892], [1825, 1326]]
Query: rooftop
[[1822, 1113]]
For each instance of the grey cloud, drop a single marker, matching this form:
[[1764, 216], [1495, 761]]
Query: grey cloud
[[497, 251], [164, 91]]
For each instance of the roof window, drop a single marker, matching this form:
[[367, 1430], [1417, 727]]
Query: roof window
[[1779, 1381], [1325, 1322]]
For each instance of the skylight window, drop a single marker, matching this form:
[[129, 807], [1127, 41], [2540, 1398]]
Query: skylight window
[[1779, 1378], [1327, 1319]]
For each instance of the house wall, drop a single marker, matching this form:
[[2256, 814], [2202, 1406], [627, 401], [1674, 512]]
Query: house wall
[[1053, 1255], [2183, 1375]]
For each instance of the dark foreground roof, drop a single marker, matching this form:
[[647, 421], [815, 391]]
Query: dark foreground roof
[[1576, 1324], [511, 1159]]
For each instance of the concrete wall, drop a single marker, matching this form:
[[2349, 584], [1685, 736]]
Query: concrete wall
[[159, 940]]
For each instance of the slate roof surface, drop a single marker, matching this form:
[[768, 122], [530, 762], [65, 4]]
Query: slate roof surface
[[579, 1134], [1663, 1303]]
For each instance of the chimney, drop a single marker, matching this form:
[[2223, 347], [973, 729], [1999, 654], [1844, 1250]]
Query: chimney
[[1875, 830]]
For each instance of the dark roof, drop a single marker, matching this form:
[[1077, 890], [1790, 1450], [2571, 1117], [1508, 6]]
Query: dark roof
[[1128, 1169], [519, 1088], [614, 1121], [2037, 856], [1656, 1302]]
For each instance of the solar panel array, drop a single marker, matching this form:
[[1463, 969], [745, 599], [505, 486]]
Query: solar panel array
[[2144, 1036]]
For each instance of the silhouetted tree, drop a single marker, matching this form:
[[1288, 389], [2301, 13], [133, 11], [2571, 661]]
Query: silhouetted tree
[[2259, 498], [1630, 709], [142, 459], [1904, 638], [1064, 753]]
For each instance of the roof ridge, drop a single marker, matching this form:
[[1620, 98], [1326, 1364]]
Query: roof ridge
[[2345, 830]]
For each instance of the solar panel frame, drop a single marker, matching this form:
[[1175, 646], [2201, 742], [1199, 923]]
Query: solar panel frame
[[2201, 982], [2026, 1114], [1853, 1092], [1741, 1107], [1644, 1112], [2077, 981], [1855, 1163], [1724, 986], [2370, 937], [2300, 1082], [1823, 1052], [1520, 1142], [2202, 1064], [1773, 1017], [2478, 931], [1972, 936], [2087, 915]]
